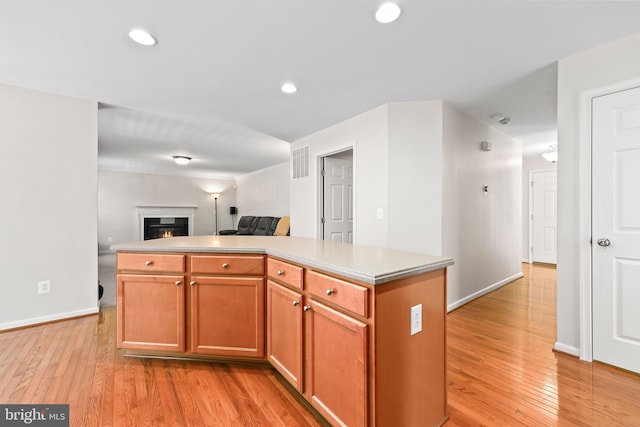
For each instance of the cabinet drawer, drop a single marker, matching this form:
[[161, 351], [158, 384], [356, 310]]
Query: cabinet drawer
[[344, 294], [285, 272], [151, 262], [227, 264]]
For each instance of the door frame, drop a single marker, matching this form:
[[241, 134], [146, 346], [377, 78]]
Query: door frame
[[584, 220], [531, 173], [320, 190]]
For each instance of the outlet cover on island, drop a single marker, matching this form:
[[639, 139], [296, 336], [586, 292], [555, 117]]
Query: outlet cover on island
[[44, 286], [416, 319]]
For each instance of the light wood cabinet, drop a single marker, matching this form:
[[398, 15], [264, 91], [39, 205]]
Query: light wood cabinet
[[284, 332], [151, 312], [336, 356], [227, 316]]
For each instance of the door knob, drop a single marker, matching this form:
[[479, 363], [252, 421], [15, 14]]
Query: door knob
[[604, 242]]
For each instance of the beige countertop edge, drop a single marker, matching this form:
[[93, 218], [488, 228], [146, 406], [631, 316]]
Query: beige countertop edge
[[372, 279]]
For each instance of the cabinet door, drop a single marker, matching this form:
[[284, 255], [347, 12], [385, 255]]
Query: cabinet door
[[284, 332], [227, 316], [336, 352], [151, 312]]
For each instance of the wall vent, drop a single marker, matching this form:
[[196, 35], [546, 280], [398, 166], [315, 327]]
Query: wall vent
[[301, 162]]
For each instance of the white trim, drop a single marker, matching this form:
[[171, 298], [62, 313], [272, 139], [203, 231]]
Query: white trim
[[482, 292], [584, 220], [568, 349], [526, 261], [143, 212], [50, 318]]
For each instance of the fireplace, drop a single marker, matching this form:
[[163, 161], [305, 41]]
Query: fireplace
[[155, 222], [158, 228]]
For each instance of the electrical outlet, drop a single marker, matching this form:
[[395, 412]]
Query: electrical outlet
[[44, 286], [416, 319], [379, 213], [109, 239]]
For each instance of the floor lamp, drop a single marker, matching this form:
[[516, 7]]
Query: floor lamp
[[215, 208]]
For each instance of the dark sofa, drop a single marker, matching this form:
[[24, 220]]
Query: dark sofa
[[255, 226]]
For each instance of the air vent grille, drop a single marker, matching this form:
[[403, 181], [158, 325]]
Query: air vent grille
[[301, 162]]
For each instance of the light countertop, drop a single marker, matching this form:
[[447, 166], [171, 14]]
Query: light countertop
[[363, 263]]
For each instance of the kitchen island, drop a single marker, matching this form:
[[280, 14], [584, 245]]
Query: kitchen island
[[358, 331]]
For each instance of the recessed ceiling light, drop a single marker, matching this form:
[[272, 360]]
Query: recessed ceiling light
[[182, 160], [289, 88], [388, 12], [142, 37]]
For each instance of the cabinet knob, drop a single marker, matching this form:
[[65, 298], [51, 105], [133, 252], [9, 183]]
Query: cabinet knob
[[306, 307], [225, 265], [178, 282], [280, 273], [192, 283], [148, 263], [295, 303], [330, 291]]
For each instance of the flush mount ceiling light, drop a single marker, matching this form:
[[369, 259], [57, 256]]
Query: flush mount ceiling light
[[182, 160], [551, 156], [288, 88], [142, 37], [388, 12], [501, 118]]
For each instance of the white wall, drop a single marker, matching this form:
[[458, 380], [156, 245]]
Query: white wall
[[481, 231], [530, 163], [597, 68], [265, 192], [120, 192], [421, 162], [415, 177], [48, 197], [367, 133]]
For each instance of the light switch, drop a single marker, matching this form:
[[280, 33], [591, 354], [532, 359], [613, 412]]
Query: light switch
[[379, 213], [416, 319]]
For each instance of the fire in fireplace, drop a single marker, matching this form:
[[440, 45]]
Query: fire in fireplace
[[157, 228]]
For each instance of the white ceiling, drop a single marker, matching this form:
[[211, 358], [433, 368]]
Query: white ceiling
[[210, 88]]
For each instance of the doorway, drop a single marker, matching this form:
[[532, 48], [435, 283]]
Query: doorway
[[337, 197], [543, 216]]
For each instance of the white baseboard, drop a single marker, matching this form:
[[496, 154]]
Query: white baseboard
[[569, 349], [525, 261], [44, 319], [481, 292]]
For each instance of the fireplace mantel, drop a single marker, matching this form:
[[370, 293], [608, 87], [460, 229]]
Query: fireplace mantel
[[164, 211]]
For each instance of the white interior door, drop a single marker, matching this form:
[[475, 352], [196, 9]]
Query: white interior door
[[616, 229], [338, 200], [544, 211]]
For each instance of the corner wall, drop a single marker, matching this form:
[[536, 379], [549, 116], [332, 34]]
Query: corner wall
[[49, 206], [265, 192], [482, 231]]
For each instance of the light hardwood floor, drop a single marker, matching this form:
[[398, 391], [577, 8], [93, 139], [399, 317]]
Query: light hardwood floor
[[502, 372]]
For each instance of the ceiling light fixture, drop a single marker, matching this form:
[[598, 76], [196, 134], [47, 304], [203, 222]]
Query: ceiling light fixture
[[501, 118], [142, 37], [289, 88], [551, 156], [182, 160], [387, 13]]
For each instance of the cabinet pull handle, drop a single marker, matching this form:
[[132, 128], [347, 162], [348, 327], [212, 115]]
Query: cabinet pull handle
[[178, 282], [192, 283], [148, 263], [330, 291], [280, 273], [306, 307], [225, 265], [295, 303]]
